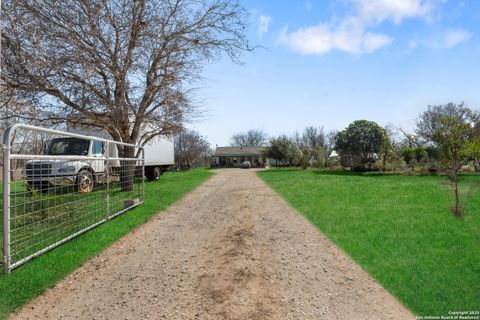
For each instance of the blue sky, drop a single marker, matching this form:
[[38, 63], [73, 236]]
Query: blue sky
[[328, 63]]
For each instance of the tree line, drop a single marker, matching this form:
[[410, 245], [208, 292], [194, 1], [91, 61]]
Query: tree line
[[446, 140]]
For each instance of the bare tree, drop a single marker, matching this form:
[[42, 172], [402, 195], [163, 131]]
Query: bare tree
[[409, 139], [190, 148], [251, 138], [315, 137], [316, 140], [14, 110], [11, 112], [430, 120], [120, 65], [312, 146], [302, 150], [329, 145]]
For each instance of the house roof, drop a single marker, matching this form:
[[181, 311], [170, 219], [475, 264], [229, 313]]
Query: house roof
[[238, 151]]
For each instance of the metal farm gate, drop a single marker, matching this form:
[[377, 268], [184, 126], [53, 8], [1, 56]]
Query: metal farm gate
[[58, 185]]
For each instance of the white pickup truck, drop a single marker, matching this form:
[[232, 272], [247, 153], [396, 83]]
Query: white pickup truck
[[88, 167]]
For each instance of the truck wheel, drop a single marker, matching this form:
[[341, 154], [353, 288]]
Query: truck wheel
[[85, 182], [154, 174]]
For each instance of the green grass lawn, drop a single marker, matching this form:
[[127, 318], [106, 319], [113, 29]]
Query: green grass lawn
[[399, 229], [36, 276]]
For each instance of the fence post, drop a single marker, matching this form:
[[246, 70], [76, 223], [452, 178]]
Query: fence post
[[6, 201], [107, 167], [143, 174]]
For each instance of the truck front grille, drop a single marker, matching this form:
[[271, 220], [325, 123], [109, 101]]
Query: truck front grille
[[38, 169]]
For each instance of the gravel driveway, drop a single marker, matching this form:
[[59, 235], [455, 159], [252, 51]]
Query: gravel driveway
[[232, 249]]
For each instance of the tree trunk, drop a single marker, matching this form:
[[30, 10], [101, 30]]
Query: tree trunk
[[476, 164], [458, 209], [127, 169]]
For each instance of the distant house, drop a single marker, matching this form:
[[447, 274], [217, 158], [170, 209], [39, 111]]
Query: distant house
[[231, 157]]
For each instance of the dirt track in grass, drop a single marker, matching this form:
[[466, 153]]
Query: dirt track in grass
[[232, 249]]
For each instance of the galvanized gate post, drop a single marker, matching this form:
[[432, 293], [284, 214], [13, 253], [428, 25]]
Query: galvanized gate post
[[107, 167], [6, 202], [143, 174]]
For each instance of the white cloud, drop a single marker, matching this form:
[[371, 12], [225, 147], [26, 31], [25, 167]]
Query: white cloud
[[264, 24], [439, 41], [324, 38], [455, 37], [354, 33], [377, 11], [374, 41]]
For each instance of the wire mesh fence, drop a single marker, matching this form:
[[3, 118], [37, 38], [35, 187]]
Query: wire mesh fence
[[57, 185]]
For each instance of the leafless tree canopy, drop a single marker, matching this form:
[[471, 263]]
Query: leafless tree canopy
[[251, 138], [190, 147], [312, 145], [430, 120], [121, 65]]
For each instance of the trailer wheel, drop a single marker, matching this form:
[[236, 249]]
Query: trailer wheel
[[85, 182], [154, 174]]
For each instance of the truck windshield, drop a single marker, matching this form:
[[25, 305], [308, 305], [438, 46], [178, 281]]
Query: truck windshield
[[68, 146]]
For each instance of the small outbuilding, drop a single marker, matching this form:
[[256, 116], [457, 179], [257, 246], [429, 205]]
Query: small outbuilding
[[233, 157]]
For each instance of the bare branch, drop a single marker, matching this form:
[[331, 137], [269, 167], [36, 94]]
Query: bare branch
[[124, 66]]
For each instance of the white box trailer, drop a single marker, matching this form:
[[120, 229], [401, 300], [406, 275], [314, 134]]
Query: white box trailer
[[159, 154], [159, 157]]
